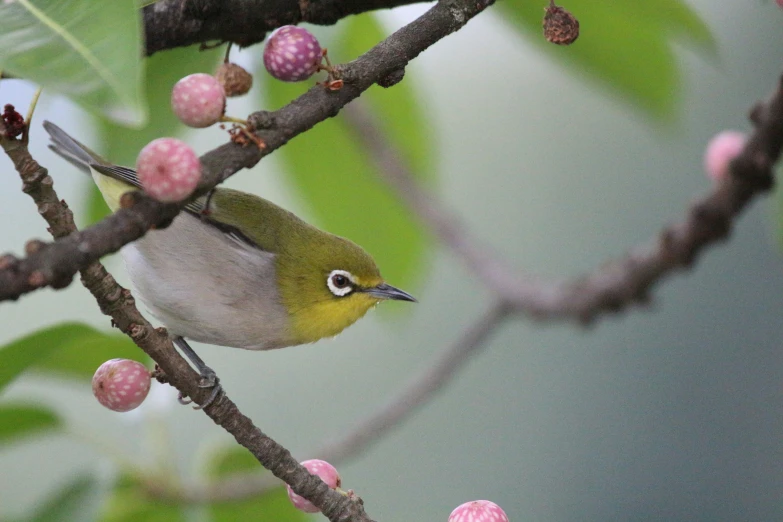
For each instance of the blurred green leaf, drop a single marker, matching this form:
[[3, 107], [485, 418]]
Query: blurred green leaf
[[71, 350], [273, 506], [339, 181], [403, 117], [80, 358], [20, 421], [89, 51], [76, 502], [128, 503], [19, 355], [625, 45], [122, 144]]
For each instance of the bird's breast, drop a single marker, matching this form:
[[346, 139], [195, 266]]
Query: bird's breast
[[207, 287]]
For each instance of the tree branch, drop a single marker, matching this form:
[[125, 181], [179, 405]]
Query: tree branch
[[54, 264], [616, 285], [178, 23]]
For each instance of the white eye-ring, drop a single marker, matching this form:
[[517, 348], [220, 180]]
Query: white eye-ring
[[340, 282]]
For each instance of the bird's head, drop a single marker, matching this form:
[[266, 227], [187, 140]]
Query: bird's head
[[330, 286]]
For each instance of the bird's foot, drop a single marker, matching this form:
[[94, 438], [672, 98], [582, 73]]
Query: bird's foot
[[209, 379]]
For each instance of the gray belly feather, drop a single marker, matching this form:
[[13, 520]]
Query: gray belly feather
[[205, 286]]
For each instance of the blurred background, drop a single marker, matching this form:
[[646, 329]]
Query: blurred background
[[672, 413]]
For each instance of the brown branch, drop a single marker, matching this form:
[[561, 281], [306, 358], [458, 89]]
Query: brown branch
[[616, 285], [177, 23], [54, 264], [117, 302]]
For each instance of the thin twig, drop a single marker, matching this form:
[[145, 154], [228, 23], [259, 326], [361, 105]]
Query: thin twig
[[616, 285]]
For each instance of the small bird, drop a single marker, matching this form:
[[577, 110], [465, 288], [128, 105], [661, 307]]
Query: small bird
[[236, 270]]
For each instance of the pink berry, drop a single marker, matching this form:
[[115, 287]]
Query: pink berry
[[721, 149], [198, 100], [478, 511], [169, 170], [328, 474], [780, 3], [121, 384], [292, 54]]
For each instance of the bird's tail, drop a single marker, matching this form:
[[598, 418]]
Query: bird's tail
[[113, 181], [71, 150]]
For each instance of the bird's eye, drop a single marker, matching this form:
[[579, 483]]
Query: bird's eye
[[340, 283]]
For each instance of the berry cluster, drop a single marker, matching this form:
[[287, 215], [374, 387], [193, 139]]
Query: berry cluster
[[168, 169]]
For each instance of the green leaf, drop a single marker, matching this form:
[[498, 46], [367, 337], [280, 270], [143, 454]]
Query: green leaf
[[339, 181], [625, 45], [76, 502], [19, 421], [80, 358], [122, 144], [69, 349], [88, 51], [273, 506], [129, 503], [19, 355]]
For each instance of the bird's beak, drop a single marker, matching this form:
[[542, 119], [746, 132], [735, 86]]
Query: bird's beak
[[385, 291]]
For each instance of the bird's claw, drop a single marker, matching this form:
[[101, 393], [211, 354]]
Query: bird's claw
[[209, 379], [216, 389]]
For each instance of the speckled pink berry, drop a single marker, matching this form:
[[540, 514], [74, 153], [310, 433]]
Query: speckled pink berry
[[198, 100], [721, 149], [478, 511], [328, 474], [169, 170], [121, 384], [292, 54]]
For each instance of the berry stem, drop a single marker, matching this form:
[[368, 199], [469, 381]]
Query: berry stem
[[231, 119], [328, 67], [228, 51]]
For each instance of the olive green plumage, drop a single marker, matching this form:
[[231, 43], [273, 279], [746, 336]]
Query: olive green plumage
[[244, 272]]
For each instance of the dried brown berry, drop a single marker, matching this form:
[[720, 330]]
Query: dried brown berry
[[560, 26], [235, 80], [14, 122]]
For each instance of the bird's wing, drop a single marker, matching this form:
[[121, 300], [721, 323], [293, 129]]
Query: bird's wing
[[114, 180], [195, 208]]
